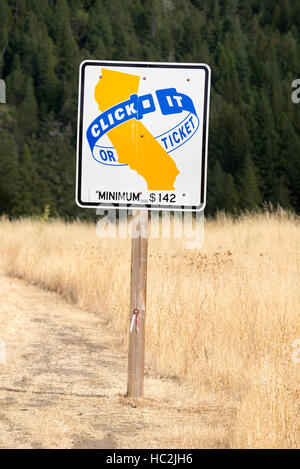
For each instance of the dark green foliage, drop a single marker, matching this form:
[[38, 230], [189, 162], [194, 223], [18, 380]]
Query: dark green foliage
[[28, 112], [250, 196], [9, 173], [252, 47], [32, 190]]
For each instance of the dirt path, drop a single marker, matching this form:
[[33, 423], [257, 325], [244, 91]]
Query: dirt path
[[62, 382]]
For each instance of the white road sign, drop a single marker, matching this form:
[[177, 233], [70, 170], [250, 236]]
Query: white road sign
[[142, 135]]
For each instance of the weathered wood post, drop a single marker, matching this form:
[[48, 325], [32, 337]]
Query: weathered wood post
[[138, 287]]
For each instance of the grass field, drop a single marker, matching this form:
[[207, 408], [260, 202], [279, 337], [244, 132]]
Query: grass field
[[222, 318]]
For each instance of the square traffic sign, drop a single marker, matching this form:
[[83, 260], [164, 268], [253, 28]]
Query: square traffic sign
[[142, 135]]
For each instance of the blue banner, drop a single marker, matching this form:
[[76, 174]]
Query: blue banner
[[170, 102]]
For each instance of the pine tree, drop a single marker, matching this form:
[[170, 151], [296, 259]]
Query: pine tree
[[5, 21], [9, 174], [32, 191], [28, 111], [250, 196], [46, 80], [231, 196], [217, 183], [16, 82]]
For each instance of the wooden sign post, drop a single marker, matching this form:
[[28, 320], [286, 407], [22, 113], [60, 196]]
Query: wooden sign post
[[138, 288]]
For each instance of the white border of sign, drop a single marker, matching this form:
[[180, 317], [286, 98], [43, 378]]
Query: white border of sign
[[127, 206]]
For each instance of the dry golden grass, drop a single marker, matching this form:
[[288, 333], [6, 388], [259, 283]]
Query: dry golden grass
[[222, 318]]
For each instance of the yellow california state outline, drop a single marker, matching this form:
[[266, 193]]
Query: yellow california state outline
[[134, 144]]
